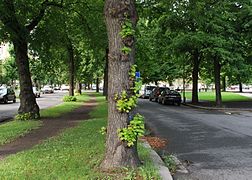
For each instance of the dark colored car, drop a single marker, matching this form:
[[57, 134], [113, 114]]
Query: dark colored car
[[170, 96], [7, 94], [156, 92]]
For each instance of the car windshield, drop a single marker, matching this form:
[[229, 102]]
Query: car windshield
[[172, 92], [3, 90], [150, 87]]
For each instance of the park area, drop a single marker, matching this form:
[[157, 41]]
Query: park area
[[73, 153]]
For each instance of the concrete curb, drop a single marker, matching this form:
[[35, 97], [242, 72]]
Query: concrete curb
[[163, 170], [216, 108]]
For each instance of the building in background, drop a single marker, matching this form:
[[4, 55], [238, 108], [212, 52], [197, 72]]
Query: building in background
[[4, 51]]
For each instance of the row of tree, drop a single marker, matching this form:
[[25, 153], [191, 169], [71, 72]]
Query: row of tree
[[176, 38], [191, 39], [52, 40]]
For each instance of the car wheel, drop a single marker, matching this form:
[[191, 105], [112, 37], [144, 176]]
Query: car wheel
[[163, 102], [150, 99], [178, 103], [156, 99], [5, 100], [14, 100]]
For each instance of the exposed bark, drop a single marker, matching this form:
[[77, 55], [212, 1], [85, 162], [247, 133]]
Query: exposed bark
[[217, 69], [117, 153], [79, 87], [71, 67], [97, 85], [240, 86], [105, 79], [195, 77], [224, 86], [184, 97], [27, 98]]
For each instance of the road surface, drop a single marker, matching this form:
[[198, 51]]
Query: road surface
[[9, 110], [217, 144]]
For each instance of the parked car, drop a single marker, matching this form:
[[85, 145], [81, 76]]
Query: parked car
[[36, 92], [156, 92], [145, 91], [7, 94], [65, 87], [56, 88], [170, 96], [47, 89]]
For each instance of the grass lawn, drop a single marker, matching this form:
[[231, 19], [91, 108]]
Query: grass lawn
[[226, 96], [11, 130], [65, 107], [74, 154]]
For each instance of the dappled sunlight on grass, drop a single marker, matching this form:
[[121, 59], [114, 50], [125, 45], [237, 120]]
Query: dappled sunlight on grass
[[226, 96]]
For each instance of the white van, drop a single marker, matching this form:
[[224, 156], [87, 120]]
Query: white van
[[146, 90]]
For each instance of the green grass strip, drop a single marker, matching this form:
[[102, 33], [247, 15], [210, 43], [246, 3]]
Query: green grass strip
[[64, 107], [11, 130], [226, 96], [14, 129]]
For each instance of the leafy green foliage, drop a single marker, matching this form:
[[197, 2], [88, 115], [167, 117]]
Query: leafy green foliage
[[126, 50], [23, 117], [9, 72], [125, 103], [103, 130], [170, 163], [69, 99], [127, 29], [134, 130]]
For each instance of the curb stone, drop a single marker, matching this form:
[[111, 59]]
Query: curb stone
[[163, 170], [180, 167], [216, 108]]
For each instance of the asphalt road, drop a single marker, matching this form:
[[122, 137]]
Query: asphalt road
[[217, 144], [9, 110]]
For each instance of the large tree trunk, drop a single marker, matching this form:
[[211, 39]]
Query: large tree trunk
[[117, 153], [79, 88], [217, 69], [97, 85], [105, 79], [71, 67], [224, 83], [195, 77], [27, 98], [240, 86]]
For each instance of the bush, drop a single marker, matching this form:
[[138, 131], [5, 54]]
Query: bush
[[23, 117], [69, 98]]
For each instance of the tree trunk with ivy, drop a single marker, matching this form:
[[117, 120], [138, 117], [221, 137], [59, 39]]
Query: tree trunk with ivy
[[117, 13]]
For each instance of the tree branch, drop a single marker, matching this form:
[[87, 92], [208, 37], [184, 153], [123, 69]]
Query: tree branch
[[41, 14]]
